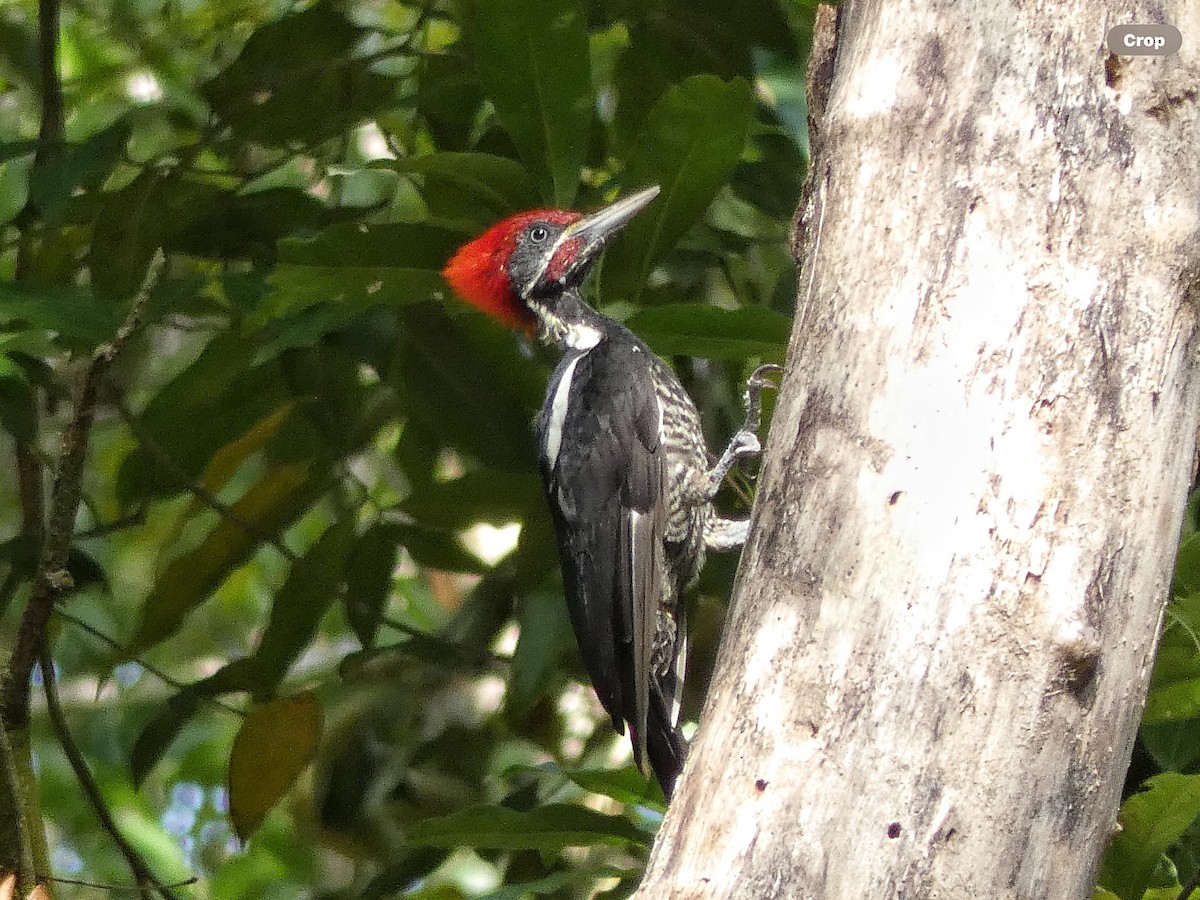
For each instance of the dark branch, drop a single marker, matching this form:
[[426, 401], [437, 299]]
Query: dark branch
[[205, 496], [158, 673], [1191, 886], [51, 579], [147, 882]]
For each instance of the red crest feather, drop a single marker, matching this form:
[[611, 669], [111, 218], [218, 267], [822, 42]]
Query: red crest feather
[[478, 272]]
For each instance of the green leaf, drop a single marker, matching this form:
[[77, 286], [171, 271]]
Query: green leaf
[[276, 742], [222, 389], [188, 580], [1174, 695], [448, 98], [625, 785], [440, 367], [150, 212], [1151, 821], [342, 292], [549, 885], [478, 186], [691, 142], [696, 329], [534, 65], [1187, 566], [545, 640], [482, 496], [369, 581], [249, 225], [72, 314], [547, 829], [18, 410], [296, 80], [68, 168], [299, 605], [350, 267]]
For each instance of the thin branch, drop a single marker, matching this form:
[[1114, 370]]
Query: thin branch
[[51, 131], [147, 882], [104, 529], [1192, 884], [205, 496], [51, 579], [158, 673], [11, 794], [125, 888]]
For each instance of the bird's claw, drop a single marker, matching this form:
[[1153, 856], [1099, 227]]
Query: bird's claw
[[745, 444], [752, 399]]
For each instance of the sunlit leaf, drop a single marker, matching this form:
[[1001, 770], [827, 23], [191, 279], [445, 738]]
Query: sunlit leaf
[[546, 828], [625, 785], [694, 329], [276, 742], [1151, 821]]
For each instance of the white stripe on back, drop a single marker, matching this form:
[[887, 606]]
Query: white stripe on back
[[558, 412]]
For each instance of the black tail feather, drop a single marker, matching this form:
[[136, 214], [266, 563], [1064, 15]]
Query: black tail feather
[[665, 744]]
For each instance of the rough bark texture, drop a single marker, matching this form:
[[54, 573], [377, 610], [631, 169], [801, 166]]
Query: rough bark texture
[[938, 649]]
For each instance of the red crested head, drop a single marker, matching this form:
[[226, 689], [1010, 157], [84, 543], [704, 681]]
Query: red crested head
[[536, 256], [481, 271]]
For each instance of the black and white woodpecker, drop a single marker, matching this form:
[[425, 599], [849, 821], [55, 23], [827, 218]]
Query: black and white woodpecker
[[623, 463]]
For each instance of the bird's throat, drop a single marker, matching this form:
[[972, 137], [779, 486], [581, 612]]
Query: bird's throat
[[569, 323]]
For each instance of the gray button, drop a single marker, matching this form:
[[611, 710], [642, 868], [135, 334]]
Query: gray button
[[1144, 40]]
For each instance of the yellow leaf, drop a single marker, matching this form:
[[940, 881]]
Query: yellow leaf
[[277, 740], [229, 458]]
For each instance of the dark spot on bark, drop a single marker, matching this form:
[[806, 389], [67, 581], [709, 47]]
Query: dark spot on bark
[[892, 500], [814, 728], [760, 785], [1165, 108], [964, 142], [894, 830], [931, 66], [1115, 69]]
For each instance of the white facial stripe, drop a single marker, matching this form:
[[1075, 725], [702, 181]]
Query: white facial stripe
[[558, 413]]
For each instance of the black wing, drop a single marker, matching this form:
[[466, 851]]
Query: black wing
[[603, 472]]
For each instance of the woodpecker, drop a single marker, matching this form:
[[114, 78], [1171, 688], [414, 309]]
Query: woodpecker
[[623, 462]]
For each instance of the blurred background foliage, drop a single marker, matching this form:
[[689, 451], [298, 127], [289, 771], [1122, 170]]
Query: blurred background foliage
[[317, 645]]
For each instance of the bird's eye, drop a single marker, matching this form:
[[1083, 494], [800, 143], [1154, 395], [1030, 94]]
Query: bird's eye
[[537, 234]]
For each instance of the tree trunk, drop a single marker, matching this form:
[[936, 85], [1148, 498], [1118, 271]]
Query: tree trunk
[[939, 645]]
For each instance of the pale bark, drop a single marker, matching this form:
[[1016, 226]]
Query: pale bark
[[938, 649]]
